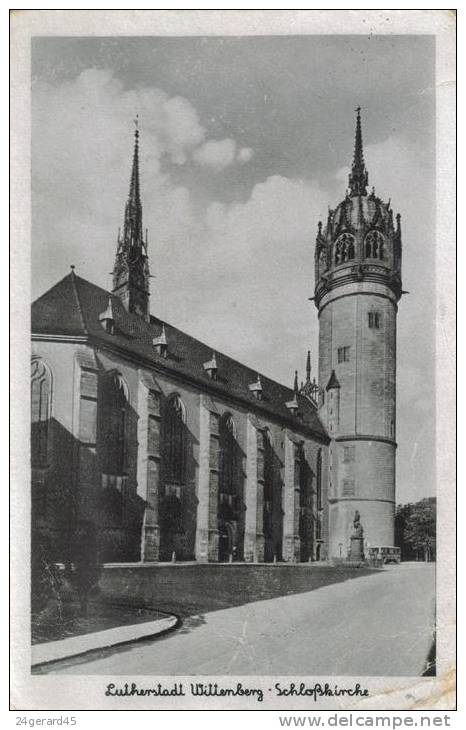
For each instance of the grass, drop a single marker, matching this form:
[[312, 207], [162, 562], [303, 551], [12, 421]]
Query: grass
[[62, 619]]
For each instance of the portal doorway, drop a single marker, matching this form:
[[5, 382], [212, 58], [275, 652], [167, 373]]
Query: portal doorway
[[227, 542]]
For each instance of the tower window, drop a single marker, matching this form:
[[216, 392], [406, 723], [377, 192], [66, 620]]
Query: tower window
[[374, 320], [374, 245], [348, 488], [349, 453], [344, 249], [343, 354]]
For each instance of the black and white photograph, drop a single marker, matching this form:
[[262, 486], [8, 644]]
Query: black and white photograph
[[240, 450]]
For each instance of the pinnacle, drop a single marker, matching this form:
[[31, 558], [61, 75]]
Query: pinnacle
[[358, 179]]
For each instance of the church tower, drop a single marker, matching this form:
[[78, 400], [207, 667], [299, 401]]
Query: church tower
[[131, 270], [357, 289]]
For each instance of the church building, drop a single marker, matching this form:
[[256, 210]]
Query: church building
[[176, 452]]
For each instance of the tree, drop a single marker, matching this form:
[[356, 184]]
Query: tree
[[415, 529]]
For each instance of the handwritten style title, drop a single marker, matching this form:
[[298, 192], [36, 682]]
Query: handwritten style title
[[213, 689]]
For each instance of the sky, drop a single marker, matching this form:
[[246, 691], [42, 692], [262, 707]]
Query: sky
[[245, 142]]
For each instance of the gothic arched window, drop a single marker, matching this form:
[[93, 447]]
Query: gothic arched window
[[265, 475], [41, 406], [302, 485], [228, 456], [344, 249], [298, 468], [114, 423], [175, 441], [374, 245], [319, 480]]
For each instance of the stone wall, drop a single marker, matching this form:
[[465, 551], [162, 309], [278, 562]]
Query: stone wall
[[361, 414]]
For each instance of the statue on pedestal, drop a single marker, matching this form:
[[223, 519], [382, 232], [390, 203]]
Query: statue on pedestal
[[357, 539]]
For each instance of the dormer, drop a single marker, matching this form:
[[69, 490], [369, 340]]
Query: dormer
[[160, 343], [106, 318], [211, 367], [256, 388], [293, 406]]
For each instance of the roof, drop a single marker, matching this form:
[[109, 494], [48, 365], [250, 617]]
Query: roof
[[359, 211], [73, 307]]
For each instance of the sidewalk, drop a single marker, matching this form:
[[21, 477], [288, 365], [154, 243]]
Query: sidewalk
[[52, 651]]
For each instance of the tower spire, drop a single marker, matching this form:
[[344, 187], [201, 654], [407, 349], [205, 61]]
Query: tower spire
[[308, 367], [131, 270], [134, 185], [132, 229], [358, 178]]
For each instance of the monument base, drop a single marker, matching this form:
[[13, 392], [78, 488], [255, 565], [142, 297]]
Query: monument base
[[356, 549]]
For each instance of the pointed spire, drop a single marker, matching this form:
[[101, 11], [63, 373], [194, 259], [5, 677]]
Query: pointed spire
[[134, 196], [358, 179], [131, 270], [308, 367], [132, 230], [295, 384]]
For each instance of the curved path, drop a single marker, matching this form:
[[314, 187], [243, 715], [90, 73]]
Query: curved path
[[380, 624]]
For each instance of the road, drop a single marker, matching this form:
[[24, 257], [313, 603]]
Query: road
[[380, 624]]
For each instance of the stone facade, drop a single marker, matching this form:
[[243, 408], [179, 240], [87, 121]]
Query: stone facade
[[79, 481], [174, 452]]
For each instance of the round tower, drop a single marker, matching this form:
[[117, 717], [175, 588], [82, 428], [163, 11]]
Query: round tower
[[357, 289]]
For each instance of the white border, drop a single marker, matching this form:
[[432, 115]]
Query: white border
[[65, 692]]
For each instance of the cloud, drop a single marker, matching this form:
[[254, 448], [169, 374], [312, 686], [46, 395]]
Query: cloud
[[245, 154], [90, 116], [250, 263], [394, 167], [82, 147], [216, 154], [251, 273], [219, 154], [181, 127]]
